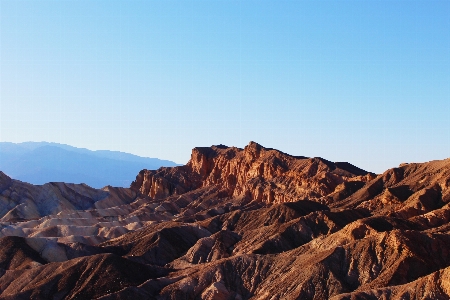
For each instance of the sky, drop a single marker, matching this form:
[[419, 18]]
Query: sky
[[366, 82]]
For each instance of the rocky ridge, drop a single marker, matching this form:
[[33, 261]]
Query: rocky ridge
[[256, 173], [252, 223]]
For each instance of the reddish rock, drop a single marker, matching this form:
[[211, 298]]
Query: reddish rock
[[259, 173]]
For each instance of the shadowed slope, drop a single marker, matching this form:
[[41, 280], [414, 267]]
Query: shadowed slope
[[81, 278]]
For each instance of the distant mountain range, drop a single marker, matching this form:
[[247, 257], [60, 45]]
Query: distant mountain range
[[42, 162]]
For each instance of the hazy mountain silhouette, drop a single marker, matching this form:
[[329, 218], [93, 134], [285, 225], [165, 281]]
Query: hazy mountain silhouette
[[42, 162]]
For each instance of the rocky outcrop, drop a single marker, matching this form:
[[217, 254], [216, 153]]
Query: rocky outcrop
[[407, 191], [258, 173]]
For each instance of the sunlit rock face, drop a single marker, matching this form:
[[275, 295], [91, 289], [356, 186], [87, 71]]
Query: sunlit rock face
[[255, 172], [252, 223]]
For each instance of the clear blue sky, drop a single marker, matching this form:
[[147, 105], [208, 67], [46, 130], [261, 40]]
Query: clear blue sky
[[361, 81]]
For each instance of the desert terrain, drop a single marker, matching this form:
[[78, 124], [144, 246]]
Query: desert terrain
[[252, 223]]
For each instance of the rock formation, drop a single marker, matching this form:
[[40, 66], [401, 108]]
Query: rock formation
[[252, 223], [256, 173]]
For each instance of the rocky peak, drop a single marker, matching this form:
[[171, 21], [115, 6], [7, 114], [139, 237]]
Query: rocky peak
[[200, 161], [253, 150], [255, 172]]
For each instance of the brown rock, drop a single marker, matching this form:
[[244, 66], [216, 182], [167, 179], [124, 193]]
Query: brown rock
[[259, 173]]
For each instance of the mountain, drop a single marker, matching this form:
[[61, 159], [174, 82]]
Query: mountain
[[43, 162], [252, 223]]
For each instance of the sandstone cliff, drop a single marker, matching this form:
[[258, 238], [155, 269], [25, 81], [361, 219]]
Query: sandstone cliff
[[255, 172]]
